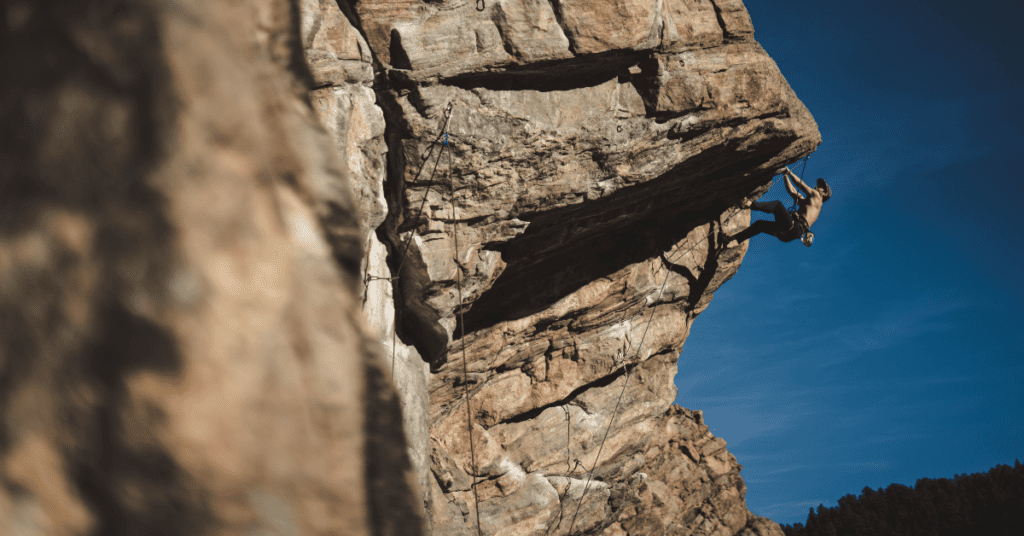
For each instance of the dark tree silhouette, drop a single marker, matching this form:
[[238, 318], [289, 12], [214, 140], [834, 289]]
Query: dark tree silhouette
[[980, 503]]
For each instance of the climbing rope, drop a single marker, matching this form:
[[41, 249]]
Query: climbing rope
[[443, 137], [627, 372], [807, 236], [803, 169], [568, 464], [462, 331], [405, 246]]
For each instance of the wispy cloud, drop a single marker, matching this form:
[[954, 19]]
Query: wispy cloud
[[867, 465], [895, 323], [892, 145], [789, 469], [899, 438]]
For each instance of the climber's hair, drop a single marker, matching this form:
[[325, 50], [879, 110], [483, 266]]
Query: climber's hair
[[826, 191]]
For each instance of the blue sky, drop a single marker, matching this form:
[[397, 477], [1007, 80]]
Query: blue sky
[[891, 350]]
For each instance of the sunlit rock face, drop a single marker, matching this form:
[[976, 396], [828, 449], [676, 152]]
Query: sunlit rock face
[[224, 311], [552, 265]]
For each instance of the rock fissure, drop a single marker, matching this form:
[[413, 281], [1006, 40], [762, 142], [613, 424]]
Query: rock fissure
[[597, 151], [602, 382], [556, 8], [719, 18], [552, 75], [592, 141]]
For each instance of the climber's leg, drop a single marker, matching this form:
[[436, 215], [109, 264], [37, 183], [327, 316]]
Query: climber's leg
[[767, 206], [758, 227], [777, 209]]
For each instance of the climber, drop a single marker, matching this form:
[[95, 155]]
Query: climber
[[789, 226]]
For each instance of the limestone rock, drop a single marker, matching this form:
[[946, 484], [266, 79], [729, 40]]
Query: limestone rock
[[448, 41], [735, 20], [530, 30], [555, 254], [759, 526], [181, 347], [692, 486], [183, 249], [335, 51], [690, 24], [357, 126], [732, 76], [339, 58], [424, 40], [601, 25]]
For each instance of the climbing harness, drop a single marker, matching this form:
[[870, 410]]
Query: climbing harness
[[807, 237], [627, 371]]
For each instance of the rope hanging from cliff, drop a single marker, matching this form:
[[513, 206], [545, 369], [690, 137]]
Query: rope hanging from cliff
[[462, 324], [803, 169], [442, 137], [443, 133], [628, 374]]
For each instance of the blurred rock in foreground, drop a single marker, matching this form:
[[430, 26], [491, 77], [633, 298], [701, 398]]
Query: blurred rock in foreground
[[181, 346]]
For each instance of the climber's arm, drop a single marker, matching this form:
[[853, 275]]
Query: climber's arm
[[789, 186], [800, 183]]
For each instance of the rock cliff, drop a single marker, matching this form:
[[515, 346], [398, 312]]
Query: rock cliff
[[181, 347], [198, 198], [549, 263]]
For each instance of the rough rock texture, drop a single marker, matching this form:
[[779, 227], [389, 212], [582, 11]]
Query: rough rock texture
[[197, 198], [181, 347], [690, 485], [598, 148], [340, 63]]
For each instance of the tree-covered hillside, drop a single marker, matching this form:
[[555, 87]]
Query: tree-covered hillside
[[982, 503]]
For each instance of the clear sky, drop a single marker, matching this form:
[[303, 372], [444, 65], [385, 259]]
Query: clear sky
[[891, 350]]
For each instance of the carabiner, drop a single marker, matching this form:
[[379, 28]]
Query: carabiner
[[480, 6]]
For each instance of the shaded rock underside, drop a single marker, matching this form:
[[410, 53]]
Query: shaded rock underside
[[597, 150]]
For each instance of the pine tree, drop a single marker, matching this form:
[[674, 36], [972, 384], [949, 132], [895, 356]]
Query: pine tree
[[812, 522], [982, 503]]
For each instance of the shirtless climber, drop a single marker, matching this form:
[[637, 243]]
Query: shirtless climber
[[789, 226]]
